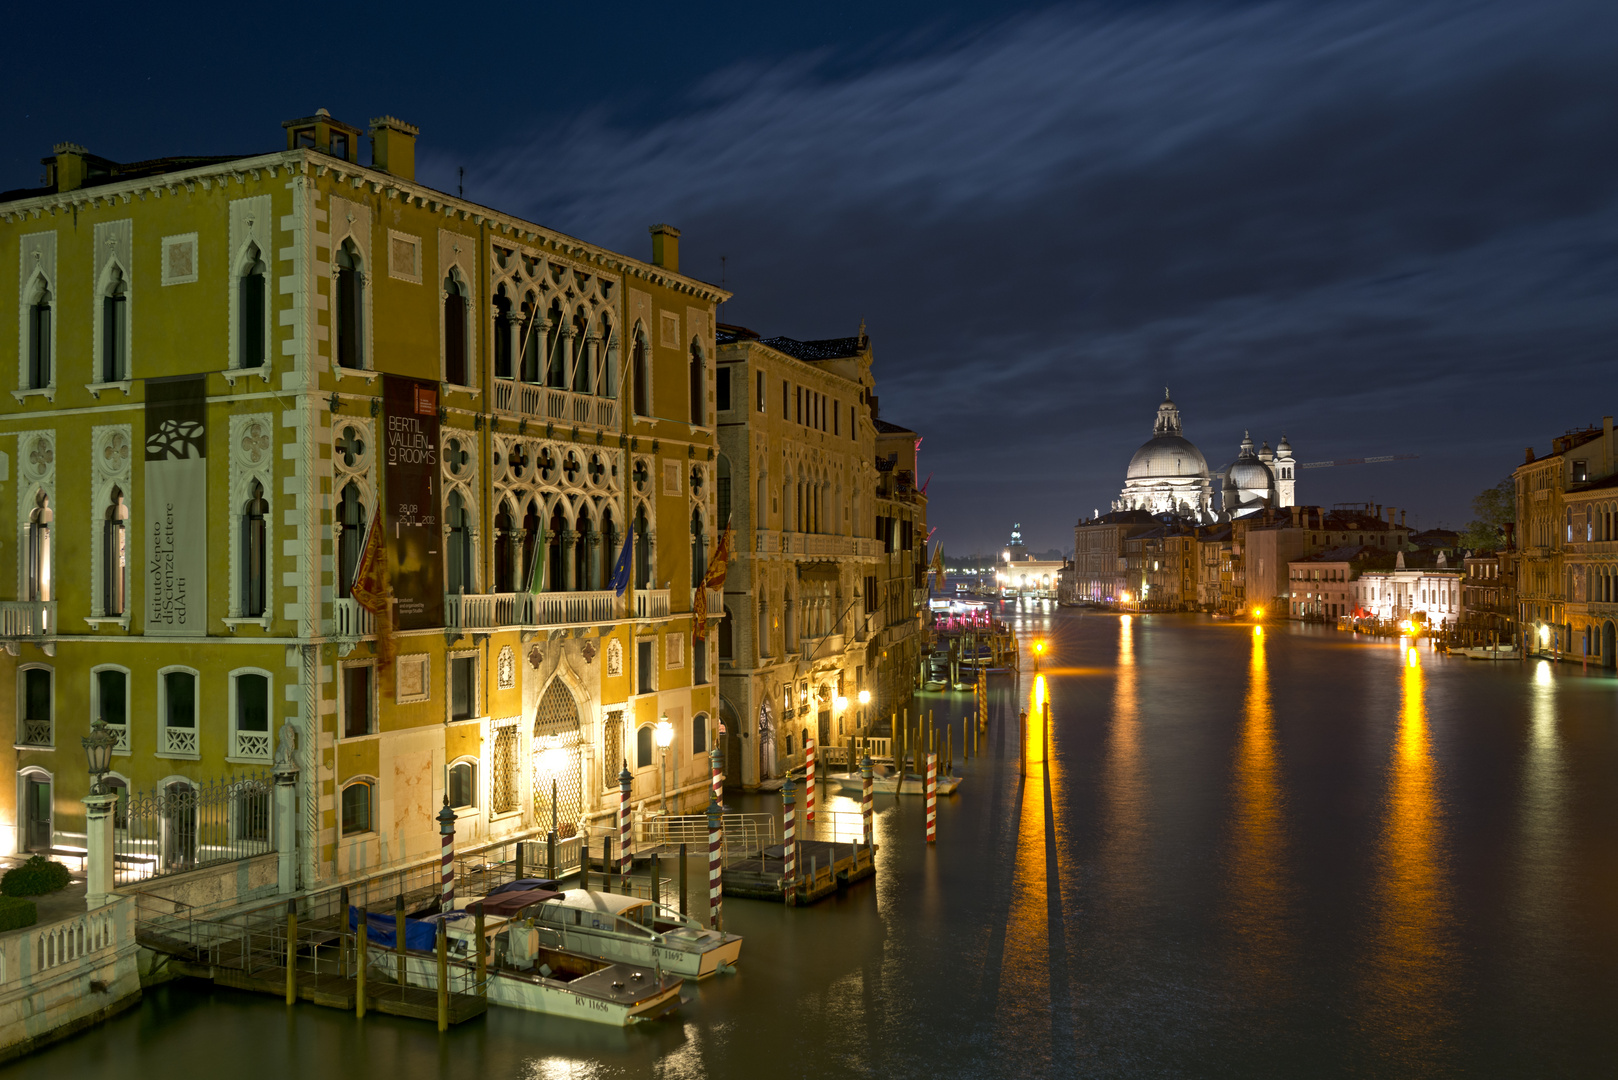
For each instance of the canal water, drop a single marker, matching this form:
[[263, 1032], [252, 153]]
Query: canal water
[[1236, 853]]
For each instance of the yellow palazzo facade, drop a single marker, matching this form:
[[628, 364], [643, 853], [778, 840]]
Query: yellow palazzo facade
[[221, 370]]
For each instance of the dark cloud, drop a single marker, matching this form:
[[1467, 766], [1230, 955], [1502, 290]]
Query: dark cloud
[[1380, 227]]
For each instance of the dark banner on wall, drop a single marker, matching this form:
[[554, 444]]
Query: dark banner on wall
[[411, 511], [176, 506]]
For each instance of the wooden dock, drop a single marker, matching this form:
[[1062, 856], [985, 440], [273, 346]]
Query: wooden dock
[[823, 868]]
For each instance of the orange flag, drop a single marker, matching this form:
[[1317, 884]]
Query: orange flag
[[713, 579], [370, 588]]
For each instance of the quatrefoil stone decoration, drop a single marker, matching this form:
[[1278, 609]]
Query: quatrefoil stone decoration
[[641, 475], [547, 465], [456, 456], [571, 467], [518, 461], [255, 442], [351, 446]]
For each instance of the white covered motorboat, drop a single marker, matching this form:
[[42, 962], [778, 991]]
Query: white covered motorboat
[[630, 930], [885, 781], [525, 972], [1490, 652]]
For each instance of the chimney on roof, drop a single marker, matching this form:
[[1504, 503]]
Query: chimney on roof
[[1401, 519], [393, 146], [1295, 522], [321, 132], [1528, 455], [65, 169], [666, 247]]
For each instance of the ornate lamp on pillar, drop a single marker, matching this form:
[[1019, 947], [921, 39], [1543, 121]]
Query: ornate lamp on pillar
[[663, 735], [98, 807]]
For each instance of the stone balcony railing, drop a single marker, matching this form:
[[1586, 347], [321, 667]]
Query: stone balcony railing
[[27, 618], [35, 733], [816, 545], [350, 620], [561, 407], [651, 603]]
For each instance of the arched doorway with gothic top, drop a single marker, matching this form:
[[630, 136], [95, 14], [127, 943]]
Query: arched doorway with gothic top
[[558, 761]]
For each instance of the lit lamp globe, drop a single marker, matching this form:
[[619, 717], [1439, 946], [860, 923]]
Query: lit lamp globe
[[865, 697], [552, 758], [663, 733], [840, 702], [98, 753]]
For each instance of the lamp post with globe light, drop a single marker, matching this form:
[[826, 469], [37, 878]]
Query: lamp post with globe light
[[98, 806], [663, 735]]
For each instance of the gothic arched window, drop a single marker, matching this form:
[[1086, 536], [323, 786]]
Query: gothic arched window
[[39, 548], [349, 286], [641, 376], [458, 551], [350, 538], [253, 553], [114, 548], [115, 329], [455, 332], [250, 310], [699, 386]]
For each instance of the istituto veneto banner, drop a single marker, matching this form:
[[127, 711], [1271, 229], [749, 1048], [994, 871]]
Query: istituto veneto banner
[[415, 535], [176, 506]]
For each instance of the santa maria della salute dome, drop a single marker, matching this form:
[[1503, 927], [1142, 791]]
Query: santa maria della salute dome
[[1169, 475]]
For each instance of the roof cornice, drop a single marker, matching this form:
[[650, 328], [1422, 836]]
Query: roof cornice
[[306, 162]]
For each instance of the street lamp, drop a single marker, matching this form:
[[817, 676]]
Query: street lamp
[[98, 753], [663, 734]]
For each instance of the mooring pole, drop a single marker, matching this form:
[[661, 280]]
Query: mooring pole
[[483, 955], [362, 942], [446, 837], [443, 975], [292, 952], [716, 887], [517, 875], [809, 779], [625, 784], [685, 869], [342, 938], [789, 843], [932, 798], [606, 862], [866, 788], [1045, 734], [399, 935]]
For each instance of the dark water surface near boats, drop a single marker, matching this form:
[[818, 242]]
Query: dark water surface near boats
[[1290, 853]]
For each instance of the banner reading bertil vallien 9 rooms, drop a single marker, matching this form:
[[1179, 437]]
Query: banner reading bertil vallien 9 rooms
[[410, 479], [176, 519]]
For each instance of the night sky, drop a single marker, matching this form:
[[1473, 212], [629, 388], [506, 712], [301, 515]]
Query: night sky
[[1380, 227]]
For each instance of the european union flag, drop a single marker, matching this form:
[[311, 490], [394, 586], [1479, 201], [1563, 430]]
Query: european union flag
[[620, 569]]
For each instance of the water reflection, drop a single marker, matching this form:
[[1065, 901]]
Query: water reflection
[[1024, 1004], [1259, 896], [1542, 885], [1124, 841], [1411, 938]]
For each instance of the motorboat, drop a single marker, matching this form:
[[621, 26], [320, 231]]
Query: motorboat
[[1490, 652], [525, 969], [885, 780], [630, 930]]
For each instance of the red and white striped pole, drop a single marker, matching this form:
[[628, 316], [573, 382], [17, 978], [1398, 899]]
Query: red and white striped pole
[[789, 843], [809, 778], [446, 869], [716, 885], [865, 800], [716, 758], [932, 798], [625, 783]]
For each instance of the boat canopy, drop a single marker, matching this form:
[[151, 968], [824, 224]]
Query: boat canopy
[[508, 904]]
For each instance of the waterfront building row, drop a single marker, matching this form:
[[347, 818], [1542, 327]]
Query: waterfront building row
[[226, 368]]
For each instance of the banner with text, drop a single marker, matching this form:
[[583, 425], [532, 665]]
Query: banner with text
[[176, 517], [410, 480]]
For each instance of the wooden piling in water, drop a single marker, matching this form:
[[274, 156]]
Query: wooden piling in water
[[606, 861], [399, 936], [292, 952], [949, 751], [518, 868], [483, 956], [550, 855], [685, 868], [362, 943], [342, 938], [443, 976]]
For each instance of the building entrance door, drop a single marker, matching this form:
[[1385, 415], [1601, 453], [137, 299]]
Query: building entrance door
[[1607, 657], [37, 800], [824, 738]]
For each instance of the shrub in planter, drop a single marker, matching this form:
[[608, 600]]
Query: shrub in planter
[[35, 877], [15, 912]]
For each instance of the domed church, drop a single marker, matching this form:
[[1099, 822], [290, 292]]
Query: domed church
[[1168, 474]]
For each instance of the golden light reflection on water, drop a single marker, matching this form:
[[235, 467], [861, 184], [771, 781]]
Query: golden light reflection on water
[[1024, 1003], [1411, 940], [1259, 896], [1543, 879], [1124, 839]]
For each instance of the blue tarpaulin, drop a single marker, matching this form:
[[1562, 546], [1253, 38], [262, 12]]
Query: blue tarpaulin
[[420, 934]]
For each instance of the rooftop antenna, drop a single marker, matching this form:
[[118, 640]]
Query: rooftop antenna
[[460, 181]]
